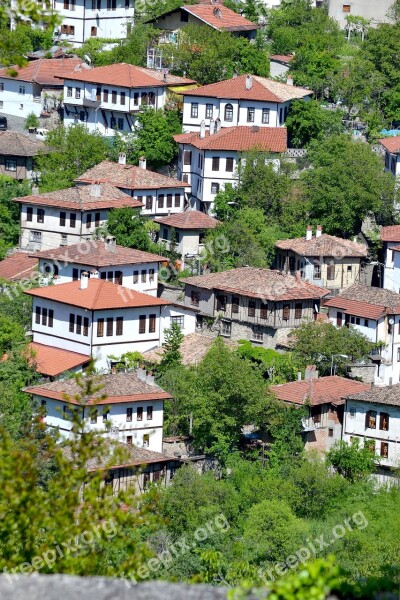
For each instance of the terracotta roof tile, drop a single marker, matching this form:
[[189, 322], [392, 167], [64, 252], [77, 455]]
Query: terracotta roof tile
[[263, 89], [392, 144], [241, 138], [131, 456], [283, 58], [18, 265], [97, 254], [193, 349], [99, 295], [44, 71], [391, 233], [258, 283], [18, 144], [128, 76], [121, 387], [324, 245], [51, 361], [389, 395], [83, 197], [319, 391], [190, 219], [129, 177], [367, 302], [220, 17]]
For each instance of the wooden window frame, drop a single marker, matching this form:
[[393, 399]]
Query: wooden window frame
[[100, 327], [109, 326], [142, 324]]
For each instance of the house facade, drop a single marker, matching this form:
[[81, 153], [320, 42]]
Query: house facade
[[105, 99], [260, 305], [390, 238], [374, 312], [210, 160], [392, 154], [17, 154], [324, 260], [159, 195], [368, 9], [129, 408], [69, 216], [246, 100]]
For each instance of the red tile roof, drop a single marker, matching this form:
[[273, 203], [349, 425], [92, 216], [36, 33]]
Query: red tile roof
[[324, 390], [238, 139], [263, 89], [98, 254], [258, 283], [99, 295], [367, 302], [391, 233], [190, 219], [283, 58], [129, 177], [51, 361], [220, 17], [44, 71], [83, 197], [18, 265], [392, 144], [129, 76], [121, 387], [324, 245]]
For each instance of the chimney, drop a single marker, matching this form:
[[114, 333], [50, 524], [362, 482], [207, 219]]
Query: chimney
[[84, 280], [298, 375], [202, 129], [218, 124], [311, 373], [95, 190], [217, 13], [309, 232], [319, 231], [122, 158], [110, 243], [141, 374], [113, 370], [142, 162], [94, 274], [211, 126], [289, 80], [249, 82], [35, 190]]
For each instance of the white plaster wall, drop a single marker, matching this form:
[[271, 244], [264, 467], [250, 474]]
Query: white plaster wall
[[13, 100], [175, 311]]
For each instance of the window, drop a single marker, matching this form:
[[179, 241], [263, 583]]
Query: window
[[146, 441], [330, 272], [143, 276], [370, 419], [114, 96], [339, 319], [265, 116], [11, 165], [44, 316], [110, 327], [152, 323], [40, 215], [139, 413], [179, 320], [37, 317], [194, 298], [149, 412], [93, 31], [105, 95], [135, 276], [317, 270], [97, 219], [142, 324], [71, 323], [194, 110], [251, 311], [151, 275], [1, 87], [120, 125], [263, 312], [221, 302], [161, 201], [100, 327], [177, 201], [129, 414], [214, 187], [349, 268], [257, 334], [346, 8], [82, 116], [36, 236], [384, 449], [105, 415], [152, 99], [122, 98], [72, 220], [215, 163], [111, 4], [169, 200], [144, 98], [77, 92], [286, 312], [226, 328], [235, 305], [298, 309], [187, 157], [250, 114], [120, 326], [93, 415], [88, 221], [78, 324], [85, 326], [209, 111], [352, 412], [140, 199], [366, 323], [21, 89], [184, 17], [330, 432], [229, 165], [228, 112], [75, 274], [149, 202], [63, 217], [118, 277], [384, 421], [29, 213]]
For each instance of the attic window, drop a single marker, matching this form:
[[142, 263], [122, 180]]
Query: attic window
[[346, 8]]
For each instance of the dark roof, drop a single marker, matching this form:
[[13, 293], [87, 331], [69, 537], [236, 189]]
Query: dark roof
[[258, 283], [324, 245], [323, 390], [99, 254], [190, 219], [45, 71], [238, 139], [128, 76], [379, 395], [18, 144], [365, 301], [118, 388], [18, 265]]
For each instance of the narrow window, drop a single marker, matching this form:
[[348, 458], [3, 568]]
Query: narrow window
[[161, 201], [63, 216], [144, 276], [194, 110], [114, 97], [100, 327], [88, 221], [152, 323], [209, 111], [149, 413], [40, 215], [78, 324], [110, 326], [142, 324], [37, 317], [105, 95], [75, 274], [384, 449], [71, 322], [215, 163], [85, 326], [139, 413], [93, 415], [370, 419], [235, 304], [129, 415], [265, 116], [72, 220], [330, 272], [97, 219], [44, 316], [122, 98], [187, 157], [169, 200], [120, 325], [286, 312], [51, 317], [149, 202], [29, 213], [250, 114], [135, 276], [146, 440], [195, 298], [229, 165], [384, 421], [118, 277], [228, 113], [339, 319], [151, 275], [252, 308], [129, 440], [298, 309]]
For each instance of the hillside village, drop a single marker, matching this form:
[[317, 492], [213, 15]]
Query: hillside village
[[200, 293]]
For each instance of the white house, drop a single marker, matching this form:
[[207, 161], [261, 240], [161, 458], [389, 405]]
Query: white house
[[374, 312], [97, 318], [66, 217], [159, 195], [129, 408], [392, 154], [390, 238], [106, 99], [209, 160], [244, 100], [134, 269], [37, 87], [373, 417], [190, 228]]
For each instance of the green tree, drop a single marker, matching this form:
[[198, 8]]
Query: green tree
[[154, 131], [352, 461], [277, 367], [74, 150], [127, 225], [9, 211], [31, 121], [172, 343], [309, 121], [133, 49], [358, 84]]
